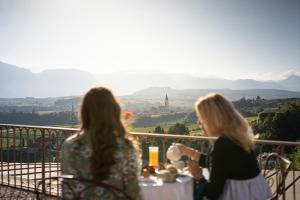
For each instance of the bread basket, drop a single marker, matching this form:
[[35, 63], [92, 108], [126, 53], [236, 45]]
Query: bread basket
[[166, 176]]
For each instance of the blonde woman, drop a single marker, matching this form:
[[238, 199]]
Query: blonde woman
[[101, 150], [234, 172]]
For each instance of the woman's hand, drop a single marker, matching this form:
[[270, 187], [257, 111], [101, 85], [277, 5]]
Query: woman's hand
[[187, 151], [194, 169], [183, 149]]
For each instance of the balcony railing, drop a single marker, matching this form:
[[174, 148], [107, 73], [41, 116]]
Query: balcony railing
[[29, 154]]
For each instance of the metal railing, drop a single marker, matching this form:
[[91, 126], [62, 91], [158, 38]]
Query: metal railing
[[29, 154]]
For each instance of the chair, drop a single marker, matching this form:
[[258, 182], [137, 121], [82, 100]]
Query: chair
[[67, 180], [275, 169]]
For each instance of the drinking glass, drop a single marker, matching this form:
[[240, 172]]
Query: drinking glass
[[153, 156]]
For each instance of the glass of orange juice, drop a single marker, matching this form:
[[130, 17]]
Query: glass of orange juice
[[153, 156]]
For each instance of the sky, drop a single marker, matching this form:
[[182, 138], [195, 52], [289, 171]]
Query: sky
[[230, 39]]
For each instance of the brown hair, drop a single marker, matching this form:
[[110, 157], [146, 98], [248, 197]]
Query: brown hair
[[101, 118], [222, 119]]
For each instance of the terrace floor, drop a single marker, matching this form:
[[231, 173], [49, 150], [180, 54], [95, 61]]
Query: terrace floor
[[289, 193], [15, 194]]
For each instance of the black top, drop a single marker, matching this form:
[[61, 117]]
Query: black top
[[228, 161]]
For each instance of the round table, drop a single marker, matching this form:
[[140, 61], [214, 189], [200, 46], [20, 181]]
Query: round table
[[156, 189]]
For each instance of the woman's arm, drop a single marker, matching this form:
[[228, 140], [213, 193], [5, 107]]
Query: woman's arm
[[194, 169], [218, 174]]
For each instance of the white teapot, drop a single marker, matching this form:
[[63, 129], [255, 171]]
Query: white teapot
[[173, 153]]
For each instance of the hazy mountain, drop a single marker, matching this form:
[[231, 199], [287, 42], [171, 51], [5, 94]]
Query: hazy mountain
[[64, 82], [127, 83], [291, 83], [160, 92], [253, 84], [15, 81], [20, 82]]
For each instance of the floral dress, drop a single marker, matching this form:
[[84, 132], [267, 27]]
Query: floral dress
[[76, 155]]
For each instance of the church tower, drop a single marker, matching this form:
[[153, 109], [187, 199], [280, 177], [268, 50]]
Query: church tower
[[73, 117], [166, 101]]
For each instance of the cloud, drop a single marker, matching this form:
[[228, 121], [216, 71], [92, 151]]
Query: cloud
[[269, 76], [289, 73], [266, 76]]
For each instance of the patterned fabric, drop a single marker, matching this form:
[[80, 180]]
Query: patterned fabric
[[76, 155]]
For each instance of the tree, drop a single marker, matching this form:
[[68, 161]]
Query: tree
[[159, 129], [258, 98], [286, 122], [283, 124], [180, 129]]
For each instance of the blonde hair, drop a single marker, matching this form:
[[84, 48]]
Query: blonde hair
[[222, 119]]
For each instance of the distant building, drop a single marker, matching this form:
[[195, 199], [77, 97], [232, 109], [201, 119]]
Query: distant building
[[164, 108], [166, 102]]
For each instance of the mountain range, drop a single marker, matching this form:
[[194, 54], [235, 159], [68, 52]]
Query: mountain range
[[20, 82]]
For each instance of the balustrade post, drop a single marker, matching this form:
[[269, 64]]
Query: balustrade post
[[43, 161], [294, 169], [164, 150], [1, 150], [201, 146]]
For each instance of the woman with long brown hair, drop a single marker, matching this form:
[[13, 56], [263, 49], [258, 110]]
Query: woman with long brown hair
[[234, 172], [101, 150]]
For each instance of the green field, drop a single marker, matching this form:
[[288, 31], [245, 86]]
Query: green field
[[194, 129], [251, 119]]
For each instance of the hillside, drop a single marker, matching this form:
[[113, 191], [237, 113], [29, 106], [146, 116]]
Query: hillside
[[159, 92]]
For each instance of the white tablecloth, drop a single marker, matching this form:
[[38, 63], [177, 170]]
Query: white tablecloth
[[158, 190]]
